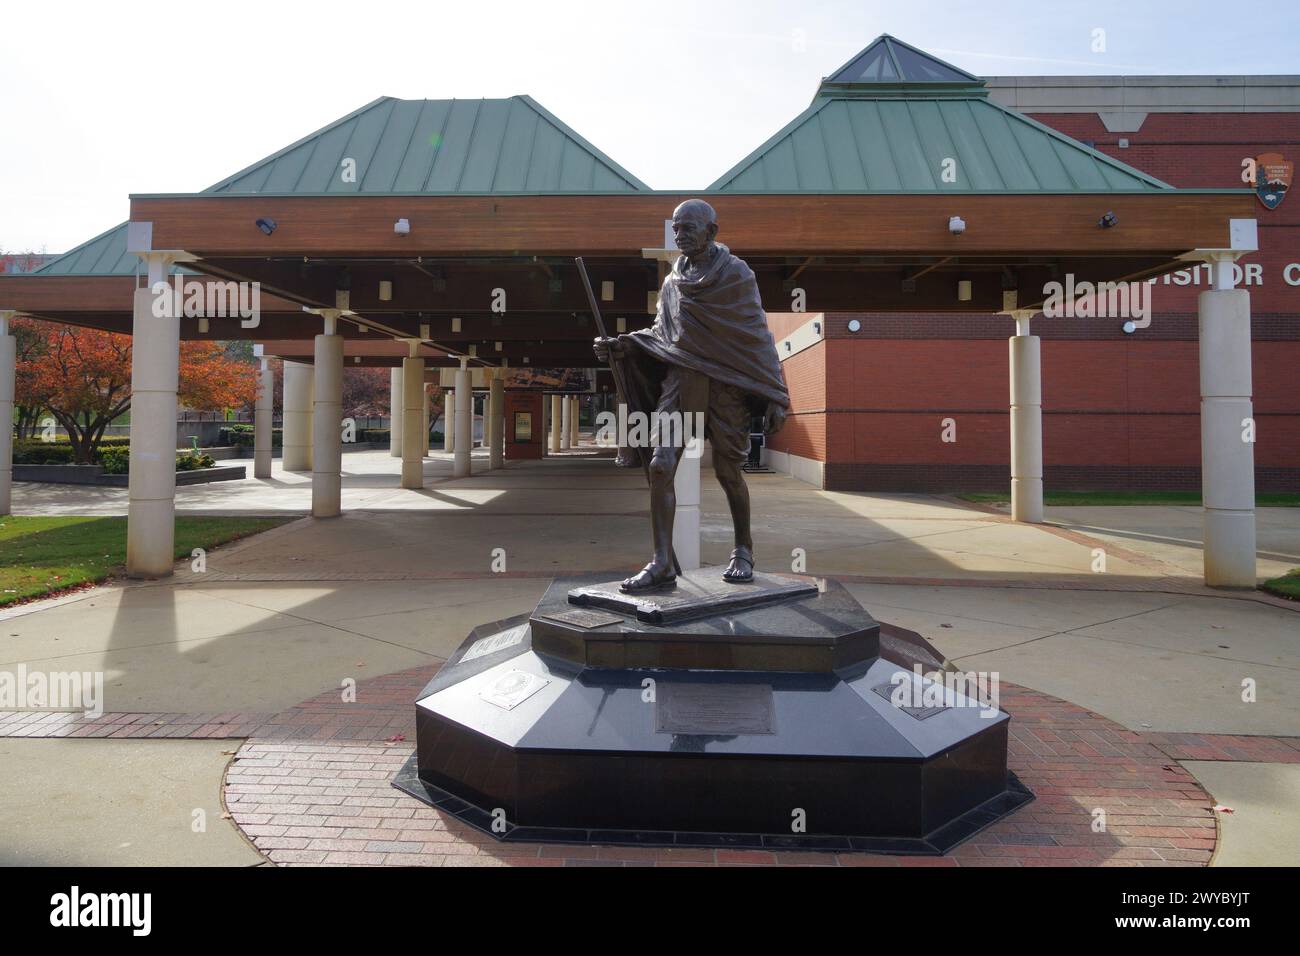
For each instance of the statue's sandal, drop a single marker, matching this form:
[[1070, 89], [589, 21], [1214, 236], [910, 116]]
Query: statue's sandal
[[743, 575], [646, 580]]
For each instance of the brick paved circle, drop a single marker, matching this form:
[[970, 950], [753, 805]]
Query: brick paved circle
[[312, 786]]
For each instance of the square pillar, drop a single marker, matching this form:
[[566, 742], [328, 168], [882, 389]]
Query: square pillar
[[1026, 424], [424, 416], [395, 408], [298, 387], [412, 419], [496, 422], [464, 424], [263, 412], [449, 421], [327, 425], [8, 360], [155, 365], [556, 417], [1227, 448], [686, 522]]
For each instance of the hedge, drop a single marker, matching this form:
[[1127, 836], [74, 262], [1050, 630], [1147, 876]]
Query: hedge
[[117, 461], [33, 451], [241, 436]]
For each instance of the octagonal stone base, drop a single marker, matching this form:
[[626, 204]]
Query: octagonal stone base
[[772, 722]]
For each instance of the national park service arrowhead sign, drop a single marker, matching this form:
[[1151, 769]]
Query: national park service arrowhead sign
[[1272, 178]]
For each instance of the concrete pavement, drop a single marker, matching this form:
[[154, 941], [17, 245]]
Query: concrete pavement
[[402, 576]]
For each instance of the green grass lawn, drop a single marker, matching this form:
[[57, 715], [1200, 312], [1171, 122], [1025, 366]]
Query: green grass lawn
[[42, 555], [1128, 498], [1288, 585]]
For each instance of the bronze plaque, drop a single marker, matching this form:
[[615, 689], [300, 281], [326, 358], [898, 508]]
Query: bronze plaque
[[512, 688], [714, 709], [915, 710], [585, 618], [495, 642]]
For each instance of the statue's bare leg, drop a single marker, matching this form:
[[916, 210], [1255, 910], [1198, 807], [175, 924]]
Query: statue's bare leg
[[663, 509], [732, 478]]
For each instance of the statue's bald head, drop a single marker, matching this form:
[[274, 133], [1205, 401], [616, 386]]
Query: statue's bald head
[[698, 210], [694, 226]]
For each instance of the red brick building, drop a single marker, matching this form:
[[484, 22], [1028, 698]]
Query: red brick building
[[1120, 410]]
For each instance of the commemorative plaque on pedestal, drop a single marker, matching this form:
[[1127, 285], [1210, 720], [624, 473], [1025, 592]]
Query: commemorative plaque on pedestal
[[707, 713]]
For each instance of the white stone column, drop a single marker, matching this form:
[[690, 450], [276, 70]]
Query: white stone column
[[555, 423], [566, 421], [263, 412], [8, 358], [155, 365], [464, 423], [574, 414], [395, 401], [298, 388], [1026, 422], [327, 422], [449, 420], [424, 416], [412, 418], [1227, 425], [496, 421], [686, 523]]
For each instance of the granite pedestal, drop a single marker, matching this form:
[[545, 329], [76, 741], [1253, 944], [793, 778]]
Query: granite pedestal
[[709, 714]]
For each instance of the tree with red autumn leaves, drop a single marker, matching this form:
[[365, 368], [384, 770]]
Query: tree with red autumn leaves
[[30, 342], [83, 378]]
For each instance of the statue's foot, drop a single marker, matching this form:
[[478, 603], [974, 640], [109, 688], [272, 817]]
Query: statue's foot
[[629, 461], [653, 575], [740, 569]]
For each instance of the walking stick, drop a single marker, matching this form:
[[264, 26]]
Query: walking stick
[[620, 386]]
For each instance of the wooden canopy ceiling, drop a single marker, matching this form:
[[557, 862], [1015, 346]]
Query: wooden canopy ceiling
[[847, 252]]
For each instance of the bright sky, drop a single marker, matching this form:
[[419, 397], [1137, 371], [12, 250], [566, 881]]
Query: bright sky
[[101, 100]]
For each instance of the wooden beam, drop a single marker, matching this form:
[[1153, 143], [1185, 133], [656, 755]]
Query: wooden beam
[[621, 225]]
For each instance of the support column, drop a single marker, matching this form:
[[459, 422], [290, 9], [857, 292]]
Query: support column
[[296, 443], [155, 363], [496, 421], [574, 414], [1227, 426], [555, 423], [566, 421], [449, 420], [8, 358], [424, 416], [464, 424], [1026, 422], [686, 522], [395, 401], [327, 422], [412, 418], [263, 412]]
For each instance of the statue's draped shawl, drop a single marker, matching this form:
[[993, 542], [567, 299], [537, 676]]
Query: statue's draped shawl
[[716, 325]]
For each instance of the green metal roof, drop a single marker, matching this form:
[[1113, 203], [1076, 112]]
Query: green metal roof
[[105, 255], [891, 132], [405, 146], [437, 147]]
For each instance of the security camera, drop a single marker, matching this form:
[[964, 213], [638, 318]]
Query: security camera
[[402, 227], [956, 225]]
